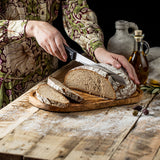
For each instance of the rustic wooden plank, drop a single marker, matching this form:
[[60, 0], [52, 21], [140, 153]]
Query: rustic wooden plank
[[121, 120], [16, 112], [12, 116], [99, 139], [61, 139], [144, 141], [24, 137], [111, 141], [51, 147]]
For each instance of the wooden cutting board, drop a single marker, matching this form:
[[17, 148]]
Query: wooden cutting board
[[91, 102]]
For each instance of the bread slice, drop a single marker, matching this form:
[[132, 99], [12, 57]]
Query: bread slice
[[50, 96], [58, 86], [95, 80]]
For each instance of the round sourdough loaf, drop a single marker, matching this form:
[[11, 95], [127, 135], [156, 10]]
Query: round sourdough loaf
[[50, 96], [97, 81]]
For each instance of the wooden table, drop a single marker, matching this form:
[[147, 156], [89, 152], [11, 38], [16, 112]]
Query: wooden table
[[28, 133]]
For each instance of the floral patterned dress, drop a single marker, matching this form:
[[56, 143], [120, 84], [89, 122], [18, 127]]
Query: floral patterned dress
[[23, 62]]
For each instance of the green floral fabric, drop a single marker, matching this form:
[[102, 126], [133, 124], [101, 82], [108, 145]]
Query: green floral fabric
[[23, 62]]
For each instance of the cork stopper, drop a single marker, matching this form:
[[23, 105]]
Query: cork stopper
[[138, 35]]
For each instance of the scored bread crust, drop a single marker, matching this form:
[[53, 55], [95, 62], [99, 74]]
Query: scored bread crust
[[43, 97], [129, 88], [60, 87], [121, 92]]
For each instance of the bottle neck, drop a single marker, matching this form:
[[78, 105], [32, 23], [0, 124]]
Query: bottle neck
[[138, 45], [121, 31]]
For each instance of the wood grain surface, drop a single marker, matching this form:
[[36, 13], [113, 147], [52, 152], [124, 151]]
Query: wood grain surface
[[91, 102]]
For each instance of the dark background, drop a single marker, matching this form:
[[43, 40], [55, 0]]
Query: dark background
[[146, 15]]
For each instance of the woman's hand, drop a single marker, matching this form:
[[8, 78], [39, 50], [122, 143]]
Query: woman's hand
[[117, 61], [48, 37]]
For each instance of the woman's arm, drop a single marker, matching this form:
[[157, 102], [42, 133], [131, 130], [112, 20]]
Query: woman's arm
[[81, 25], [48, 37]]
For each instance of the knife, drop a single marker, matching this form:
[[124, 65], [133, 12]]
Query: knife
[[74, 55]]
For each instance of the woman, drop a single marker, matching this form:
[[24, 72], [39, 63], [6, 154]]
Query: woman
[[30, 46]]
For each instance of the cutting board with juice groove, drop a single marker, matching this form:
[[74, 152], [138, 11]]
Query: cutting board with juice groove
[[90, 102]]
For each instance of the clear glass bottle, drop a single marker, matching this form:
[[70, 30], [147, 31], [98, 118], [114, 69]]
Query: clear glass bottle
[[138, 58]]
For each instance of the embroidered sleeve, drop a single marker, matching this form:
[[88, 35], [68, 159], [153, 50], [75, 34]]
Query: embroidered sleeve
[[80, 24], [11, 30]]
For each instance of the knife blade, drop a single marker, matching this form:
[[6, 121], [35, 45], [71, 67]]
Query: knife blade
[[74, 55]]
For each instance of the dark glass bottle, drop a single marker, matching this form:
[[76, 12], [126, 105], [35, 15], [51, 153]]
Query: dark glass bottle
[[138, 58]]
